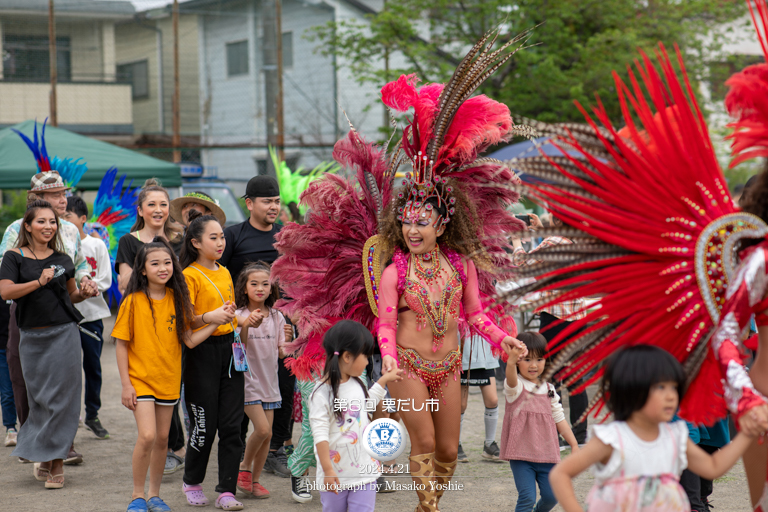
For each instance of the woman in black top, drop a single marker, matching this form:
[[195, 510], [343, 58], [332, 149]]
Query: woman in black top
[[153, 219], [40, 277]]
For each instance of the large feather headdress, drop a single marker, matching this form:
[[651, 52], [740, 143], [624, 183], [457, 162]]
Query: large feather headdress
[[338, 249]]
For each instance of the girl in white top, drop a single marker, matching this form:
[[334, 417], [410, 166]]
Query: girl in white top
[[263, 331], [346, 474], [637, 459]]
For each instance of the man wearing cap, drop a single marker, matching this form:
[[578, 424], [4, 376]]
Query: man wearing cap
[[249, 242], [50, 187], [254, 239], [180, 209]]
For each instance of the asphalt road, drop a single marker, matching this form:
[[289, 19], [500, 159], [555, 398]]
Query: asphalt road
[[103, 481]]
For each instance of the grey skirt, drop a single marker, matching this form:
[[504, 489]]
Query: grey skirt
[[52, 368]]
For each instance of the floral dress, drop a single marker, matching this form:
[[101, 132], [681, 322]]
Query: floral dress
[[640, 476]]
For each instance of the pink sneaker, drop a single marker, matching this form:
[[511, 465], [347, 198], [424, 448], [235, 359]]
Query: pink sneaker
[[244, 482], [259, 491], [227, 501]]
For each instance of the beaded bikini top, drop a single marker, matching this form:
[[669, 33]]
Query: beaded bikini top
[[435, 312]]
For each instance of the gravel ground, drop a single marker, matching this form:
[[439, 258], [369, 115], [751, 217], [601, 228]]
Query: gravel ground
[[103, 481]]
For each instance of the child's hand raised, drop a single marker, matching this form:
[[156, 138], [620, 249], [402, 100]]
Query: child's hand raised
[[393, 375], [513, 350]]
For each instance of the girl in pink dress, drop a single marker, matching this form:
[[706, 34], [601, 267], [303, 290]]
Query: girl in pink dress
[[262, 329]]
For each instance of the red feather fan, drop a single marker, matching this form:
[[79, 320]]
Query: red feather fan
[[747, 98]]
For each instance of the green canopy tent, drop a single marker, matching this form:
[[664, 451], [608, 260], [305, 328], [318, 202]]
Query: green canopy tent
[[17, 163]]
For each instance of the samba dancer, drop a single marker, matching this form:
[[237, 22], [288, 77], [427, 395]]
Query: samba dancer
[[447, 231]]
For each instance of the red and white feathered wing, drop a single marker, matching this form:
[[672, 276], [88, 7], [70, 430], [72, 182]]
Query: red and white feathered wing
[[651, 215]]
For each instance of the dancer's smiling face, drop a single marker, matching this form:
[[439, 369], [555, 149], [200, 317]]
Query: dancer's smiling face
[[419, 230]]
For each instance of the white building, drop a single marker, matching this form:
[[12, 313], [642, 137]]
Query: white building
[[317, 89]]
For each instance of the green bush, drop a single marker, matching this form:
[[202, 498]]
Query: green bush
[[14, 206]]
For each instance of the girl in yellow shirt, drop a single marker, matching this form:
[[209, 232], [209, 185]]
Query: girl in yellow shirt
[[149, 360], [213, 389]]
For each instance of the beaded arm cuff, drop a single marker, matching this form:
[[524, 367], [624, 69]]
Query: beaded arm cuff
[[473, 310], [744, 292]]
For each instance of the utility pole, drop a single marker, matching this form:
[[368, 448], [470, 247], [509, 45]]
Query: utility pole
[[53, 63], [176, 93], [280, 136], [273, 75]]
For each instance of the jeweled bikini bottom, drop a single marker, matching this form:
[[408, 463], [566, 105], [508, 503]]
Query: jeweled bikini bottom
[[431, 373]]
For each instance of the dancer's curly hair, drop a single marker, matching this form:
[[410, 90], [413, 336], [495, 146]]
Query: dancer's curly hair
[[754, 200], [463, 233], [755, 197]]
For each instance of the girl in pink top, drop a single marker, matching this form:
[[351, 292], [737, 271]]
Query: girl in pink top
[[533, 416], [263, 331]]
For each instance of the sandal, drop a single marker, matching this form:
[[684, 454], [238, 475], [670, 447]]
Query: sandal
[[227, 501], [49, 484], [137, 505], [156, 504], [195, 496], [41, 474]]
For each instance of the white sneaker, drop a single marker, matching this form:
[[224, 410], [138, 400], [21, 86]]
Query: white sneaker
[[10, 437]]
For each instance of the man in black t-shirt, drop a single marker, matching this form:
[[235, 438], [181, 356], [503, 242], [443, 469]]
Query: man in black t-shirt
[[249, 242], [254, 239]]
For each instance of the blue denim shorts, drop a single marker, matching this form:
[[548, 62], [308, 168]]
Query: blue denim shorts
[[267, 406]]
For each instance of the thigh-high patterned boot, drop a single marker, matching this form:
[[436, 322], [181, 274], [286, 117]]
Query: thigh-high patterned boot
[[423, 472], [443, 473]]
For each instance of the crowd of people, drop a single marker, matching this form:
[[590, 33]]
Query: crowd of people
[[387, 296], [200, 309]]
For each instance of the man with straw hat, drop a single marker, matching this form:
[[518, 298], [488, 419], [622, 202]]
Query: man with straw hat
[[205, 204]]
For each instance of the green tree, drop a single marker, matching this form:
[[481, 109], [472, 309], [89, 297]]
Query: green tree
[[14, 206], [577, 47]]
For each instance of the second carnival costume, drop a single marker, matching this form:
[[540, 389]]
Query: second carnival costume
[[658, 238], [336, 266]]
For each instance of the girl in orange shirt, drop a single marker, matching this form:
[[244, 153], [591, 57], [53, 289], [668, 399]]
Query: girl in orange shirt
[[213, 388], [149, 360]]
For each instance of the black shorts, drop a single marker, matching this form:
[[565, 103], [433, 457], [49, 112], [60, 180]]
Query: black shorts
[[478, 377], [158, 401]]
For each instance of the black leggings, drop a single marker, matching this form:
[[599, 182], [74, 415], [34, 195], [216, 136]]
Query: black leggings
[[215, 396]]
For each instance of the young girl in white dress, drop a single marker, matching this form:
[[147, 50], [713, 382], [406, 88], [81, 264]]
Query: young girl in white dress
[[637, 459]]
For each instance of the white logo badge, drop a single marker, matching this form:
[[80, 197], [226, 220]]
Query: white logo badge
[[384, 439]]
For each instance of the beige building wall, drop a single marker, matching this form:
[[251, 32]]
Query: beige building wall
[[78, 103], [134, 42]]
